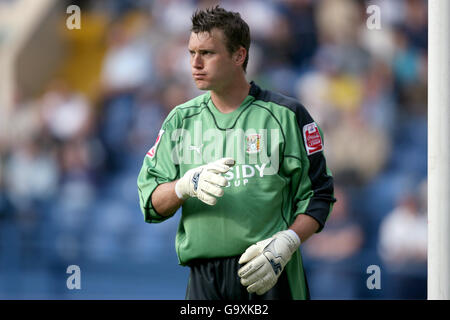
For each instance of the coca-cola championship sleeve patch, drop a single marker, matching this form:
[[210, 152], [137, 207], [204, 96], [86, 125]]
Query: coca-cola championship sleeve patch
[[313, 140], [151, 153]]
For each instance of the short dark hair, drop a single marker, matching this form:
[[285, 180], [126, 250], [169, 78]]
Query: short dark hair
[[235, 29]]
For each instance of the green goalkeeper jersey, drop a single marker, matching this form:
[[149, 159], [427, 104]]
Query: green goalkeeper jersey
[[280, 172]]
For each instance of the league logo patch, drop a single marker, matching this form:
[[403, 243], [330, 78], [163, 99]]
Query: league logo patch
[[253, 143], [152, 151], [313, 140]]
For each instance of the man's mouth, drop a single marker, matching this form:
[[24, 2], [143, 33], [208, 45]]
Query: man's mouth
[[199, 76]]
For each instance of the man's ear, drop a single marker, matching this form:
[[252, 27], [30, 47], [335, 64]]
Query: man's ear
[[239, 56]]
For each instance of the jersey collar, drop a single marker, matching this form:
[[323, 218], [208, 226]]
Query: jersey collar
[[254, 90]]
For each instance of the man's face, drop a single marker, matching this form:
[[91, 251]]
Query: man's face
[[211, 64]]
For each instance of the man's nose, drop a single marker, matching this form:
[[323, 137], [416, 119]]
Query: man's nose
[[197, 62]]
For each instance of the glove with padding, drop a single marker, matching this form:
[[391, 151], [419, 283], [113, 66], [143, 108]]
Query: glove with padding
[[204, 182], [265, 261]]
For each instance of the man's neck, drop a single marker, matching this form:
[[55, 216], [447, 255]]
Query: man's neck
[[230, 97]]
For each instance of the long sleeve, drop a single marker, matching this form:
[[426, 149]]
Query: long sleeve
[[311, 179], [158, 167]]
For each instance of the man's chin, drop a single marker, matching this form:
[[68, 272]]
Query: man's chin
[[201, 85]]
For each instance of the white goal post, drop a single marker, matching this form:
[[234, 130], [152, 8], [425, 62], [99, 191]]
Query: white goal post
[[438, 150]]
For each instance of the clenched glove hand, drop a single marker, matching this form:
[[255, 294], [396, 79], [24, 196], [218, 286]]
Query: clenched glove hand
[[204, 182], [265, 261]]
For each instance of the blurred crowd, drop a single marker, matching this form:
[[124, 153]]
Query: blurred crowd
[[69, 166]]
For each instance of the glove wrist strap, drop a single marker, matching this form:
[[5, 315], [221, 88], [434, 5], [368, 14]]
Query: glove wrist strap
[[177, 191], [294, 235]]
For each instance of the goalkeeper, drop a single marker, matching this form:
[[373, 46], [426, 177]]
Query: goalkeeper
[[248, 169]]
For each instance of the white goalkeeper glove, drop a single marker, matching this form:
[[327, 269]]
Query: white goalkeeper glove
[[266, 260], [204, 182]]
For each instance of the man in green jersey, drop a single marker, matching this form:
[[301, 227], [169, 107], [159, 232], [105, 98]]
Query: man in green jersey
[[247, 167]]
